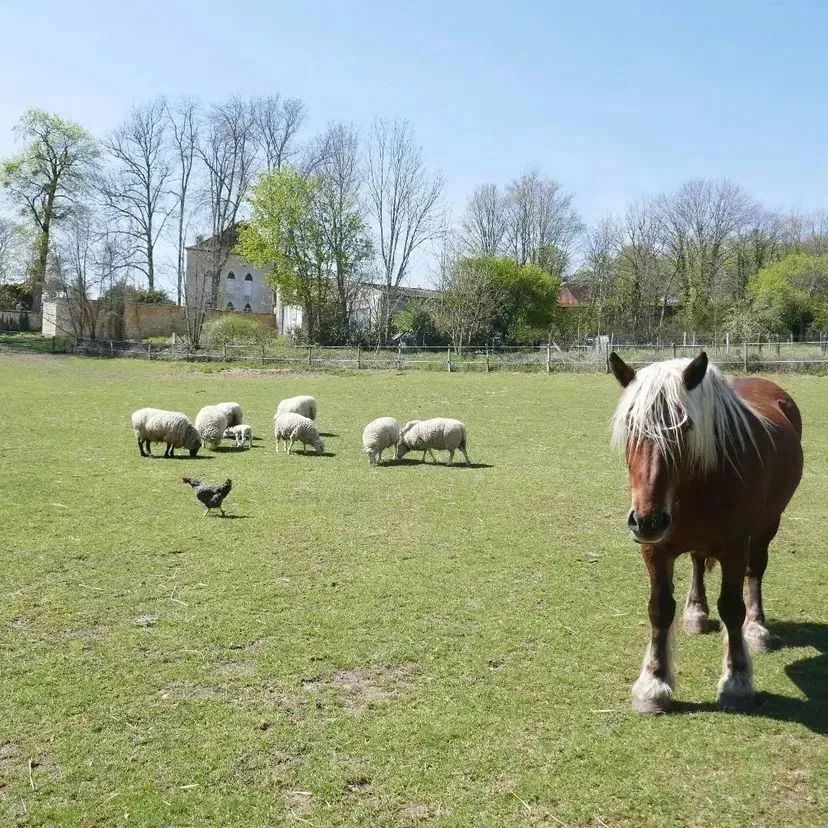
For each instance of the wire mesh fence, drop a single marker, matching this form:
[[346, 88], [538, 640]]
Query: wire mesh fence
[[743, 356]]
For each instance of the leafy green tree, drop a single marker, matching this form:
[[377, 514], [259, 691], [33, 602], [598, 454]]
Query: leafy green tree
[[418, 321], [48, 178], [313, 247], [794, 291], [528, 307]]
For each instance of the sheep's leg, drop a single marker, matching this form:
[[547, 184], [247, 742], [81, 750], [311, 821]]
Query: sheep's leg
[[172, 450], [149, 448], [466, 455], [222, 512], [167, 450], [433, 456], [206, 513], [290, 447], [451, 457], [141, 448]]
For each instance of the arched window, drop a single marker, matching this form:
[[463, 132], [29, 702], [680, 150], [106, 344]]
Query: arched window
[[247, 308], [248, 278], [231, 275], [248, 285], [230, 306]]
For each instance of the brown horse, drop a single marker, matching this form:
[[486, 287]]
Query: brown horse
[[712, 465]]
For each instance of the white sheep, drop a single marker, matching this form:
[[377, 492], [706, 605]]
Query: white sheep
[[304, 405], [154, 425], [233, 411], [241, 433], [380, 434], [211, 423], [438, 433], [290, 426]]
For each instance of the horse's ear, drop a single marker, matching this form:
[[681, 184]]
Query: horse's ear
[[695, 371], [623, 372]]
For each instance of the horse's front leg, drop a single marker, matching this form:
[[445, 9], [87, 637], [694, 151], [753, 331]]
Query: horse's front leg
[[696, 610], [653, 691], [735, 691]]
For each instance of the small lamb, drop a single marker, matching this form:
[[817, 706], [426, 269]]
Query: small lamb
[[291, 427], [241, 434], [438, 433], [379, 435]]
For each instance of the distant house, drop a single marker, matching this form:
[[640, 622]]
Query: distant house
[[243, 287]]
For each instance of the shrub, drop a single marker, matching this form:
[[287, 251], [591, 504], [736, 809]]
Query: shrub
[[232, 329]]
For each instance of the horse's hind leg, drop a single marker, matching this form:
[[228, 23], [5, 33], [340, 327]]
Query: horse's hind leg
[[696, 610], [653, 691], [755, 630], [736, 684]]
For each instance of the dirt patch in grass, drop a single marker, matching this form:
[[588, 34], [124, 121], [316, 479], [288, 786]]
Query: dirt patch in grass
[[360, 688], [299, 802], [187, 691], [235, 668]]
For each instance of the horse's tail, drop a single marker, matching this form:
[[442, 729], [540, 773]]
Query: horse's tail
[[709, 564]]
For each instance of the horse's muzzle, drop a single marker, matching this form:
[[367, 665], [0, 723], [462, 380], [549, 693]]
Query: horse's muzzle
[[650, 528]]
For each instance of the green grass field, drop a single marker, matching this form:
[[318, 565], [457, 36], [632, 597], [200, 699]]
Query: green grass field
[[371, 646]]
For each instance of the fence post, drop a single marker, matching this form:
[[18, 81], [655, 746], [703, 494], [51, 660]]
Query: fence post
[[359, 357], [149, 350], [744, 355], [777, 347], [549, 358], [727, 343], [111, 348], [53, 344], [224, 351], [399, 356], [263, 354], [310, 355], [674, 350], [607, 359], [449, 358], [487, 359]]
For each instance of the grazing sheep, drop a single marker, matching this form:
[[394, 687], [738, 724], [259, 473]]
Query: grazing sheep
[[304, 405], [380, 434], [233, 411], [154, 425], [211, 423], [291, 426], [241, 434], [438, 433]]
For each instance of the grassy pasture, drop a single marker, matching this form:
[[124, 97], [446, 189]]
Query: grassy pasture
[[404, 645]]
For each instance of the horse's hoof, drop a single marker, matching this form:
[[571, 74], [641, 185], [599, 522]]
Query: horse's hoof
[[756, 637], [735, 703], [651, 707]]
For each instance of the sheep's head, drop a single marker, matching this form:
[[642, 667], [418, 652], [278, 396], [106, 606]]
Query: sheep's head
[[320, 446], [402, 448], [192, 441]]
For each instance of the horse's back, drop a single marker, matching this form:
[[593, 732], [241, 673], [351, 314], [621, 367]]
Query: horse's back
[[770, 400], [782, 447]]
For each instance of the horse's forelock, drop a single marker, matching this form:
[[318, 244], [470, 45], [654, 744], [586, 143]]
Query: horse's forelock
[[656, 407]]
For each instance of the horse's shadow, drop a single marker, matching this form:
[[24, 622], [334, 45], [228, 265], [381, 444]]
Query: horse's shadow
[[809, 674]]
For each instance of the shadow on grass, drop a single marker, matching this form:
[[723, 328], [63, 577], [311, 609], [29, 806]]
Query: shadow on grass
[[302, 453], [232, 517], [411, 461], [178, 457], [809, 674], [327, 434]]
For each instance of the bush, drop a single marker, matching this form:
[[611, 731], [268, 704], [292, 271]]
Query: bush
[[233, 329]]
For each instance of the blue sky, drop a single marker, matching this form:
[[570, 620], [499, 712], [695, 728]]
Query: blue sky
[[614, 99]]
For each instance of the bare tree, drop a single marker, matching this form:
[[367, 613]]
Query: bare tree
[[342, 215], [403, 201], [697, 222], [86, 265], [601, 267], [183, 122], [541, 222], [11, 249], [228, 150], [277, 122], [484, 224], [137, 191]]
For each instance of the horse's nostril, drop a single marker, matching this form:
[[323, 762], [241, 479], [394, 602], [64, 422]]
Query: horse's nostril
[[632, 520]]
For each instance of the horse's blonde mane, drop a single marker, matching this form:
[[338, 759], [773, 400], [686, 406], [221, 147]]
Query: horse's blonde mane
[[656, 406]]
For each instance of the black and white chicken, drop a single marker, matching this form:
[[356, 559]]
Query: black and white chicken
[[211, 496]]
